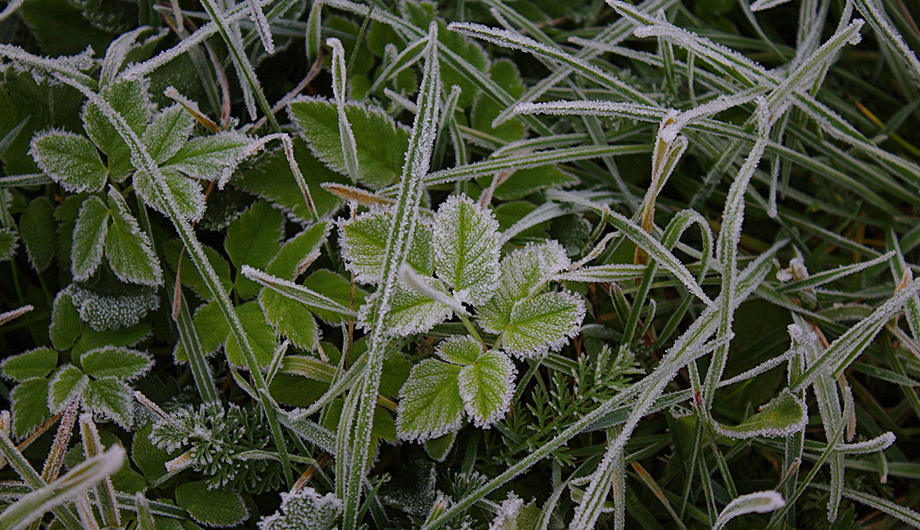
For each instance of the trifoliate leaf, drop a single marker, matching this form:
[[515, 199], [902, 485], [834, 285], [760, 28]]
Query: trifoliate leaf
[[111, 307], [38, 231], [410, 312], [120, 363], [523, 272], [543, 323], [186, 191], [466, 248], [252, 240], [219, 508], [459, 349], [128, 248], [364, 239], [336, 287], [783, 415], [29, 405], [487, 386], [289, 262], [27, 365], [304, 509], [70, 160], [110, 398], [131, 99], [380, 142], [261, 337], [168, 132], [429, 403], [290, 318], [89, 237], [68, 382], [206, 157]]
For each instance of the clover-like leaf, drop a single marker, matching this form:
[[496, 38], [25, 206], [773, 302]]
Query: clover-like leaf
[[70, 160], [89, 235], [466, 248], [364, 241], [543, 323], [67, 383], [119, 363], [261, 337], [523, 272], [487, 386], [290, 318], [168, 132], [29, 405], [131, 99], [429, 402], [128, 248]]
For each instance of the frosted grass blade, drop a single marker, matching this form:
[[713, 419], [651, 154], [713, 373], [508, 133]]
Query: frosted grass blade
[[897, 511], [758, 502], [340, 90], [405, 218], [901, 272], [890, 36], [261, 23], [296, 292], [825, 277]]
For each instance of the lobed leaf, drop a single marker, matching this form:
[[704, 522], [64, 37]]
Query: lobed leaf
[[430, 404]]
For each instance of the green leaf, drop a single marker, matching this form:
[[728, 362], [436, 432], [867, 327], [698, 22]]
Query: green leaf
[[168, 132], [410, 312], [216, 508], [190, 275], [364, 240], [211, 326], [110, 398], [288, 263], [782, 416], [207, 157], [66, 325], [120, 363], [337, 288], [466, 249], [29, 405], [9, 239], [252, 240], [111, 306], [380, 142], [128, 248], [146, 456], [290, 318], [523, 182], [487, 386], [260, 334], [459, 349], [543, 323], [34, 363], [70, 160], [429, 403], [304, 509], [190, 201], [523, 272], [38, 231], [439, 448], [757, 502], [68, 382], [485, 109], [130, 99], [89, 237]]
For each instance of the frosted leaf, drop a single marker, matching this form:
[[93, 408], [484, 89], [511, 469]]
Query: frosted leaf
[[304, 509], [543, 323], [132, 101], [459, 349], [410, 312], [111, 399], [66, 384], [298, 293], [523, 272], [119, 50], [887, 33], [207, 157], [258, 18], [9, 240], [290, 318], [508, 512], [364, 238], [340, 89], [429, 402], [113, 308], [466, 248], [783, 415], [128, 248], [119, 363], [879, 443], [758, 502], [761, 5], [89, 237], [423, 285], [413, 489], [486, 387], [69, 159], [189, 200], [168, 132], [31, 364]]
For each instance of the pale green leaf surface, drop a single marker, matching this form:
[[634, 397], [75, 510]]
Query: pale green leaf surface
[[466, 248], [543, 323], [758, 502], [207, 157], [304, 509], [364, 240], [110, 398], [486, 387], [130, 99], [288, 262], [410, 312], [71, 160], [459, 349], [261, 337], [168, 132], [190, 201], [782, 416], [337, 288], [430, 404], [290, 318]]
